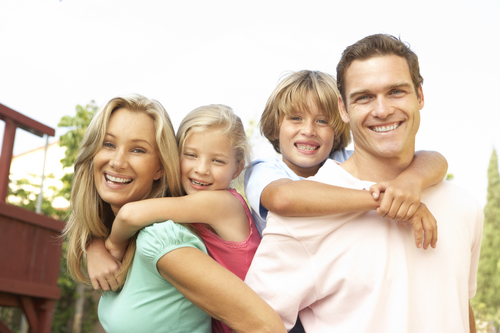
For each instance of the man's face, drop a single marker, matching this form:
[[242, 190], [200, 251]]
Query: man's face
[[382, 106]]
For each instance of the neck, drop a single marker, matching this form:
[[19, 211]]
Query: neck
[[375, 168]]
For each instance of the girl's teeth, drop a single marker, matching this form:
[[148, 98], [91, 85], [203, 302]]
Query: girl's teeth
[[118, 180], [198, 183]]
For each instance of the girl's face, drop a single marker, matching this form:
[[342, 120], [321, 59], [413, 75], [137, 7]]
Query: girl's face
[[127, 163], [208, 162]]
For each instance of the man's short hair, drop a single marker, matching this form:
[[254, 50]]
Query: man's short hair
[[378, 45]]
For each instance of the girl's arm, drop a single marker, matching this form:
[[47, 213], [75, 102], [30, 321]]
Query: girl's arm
[[218, 292], [102, 267], [210, 207]]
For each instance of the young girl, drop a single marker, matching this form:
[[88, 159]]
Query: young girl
[[129, 154], [213, 151]]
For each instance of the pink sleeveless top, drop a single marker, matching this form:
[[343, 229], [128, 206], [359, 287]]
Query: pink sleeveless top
[[235, 256]]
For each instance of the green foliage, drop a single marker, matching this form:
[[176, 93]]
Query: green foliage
[[487, 301], [76, 126], [449, 177]]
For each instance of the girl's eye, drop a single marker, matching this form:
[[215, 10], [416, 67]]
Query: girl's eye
[[220, 161], [189, 154]]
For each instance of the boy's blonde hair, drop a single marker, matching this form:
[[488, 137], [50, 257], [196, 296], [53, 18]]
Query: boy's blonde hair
[[91, 218], [216, 117], [293, 93]]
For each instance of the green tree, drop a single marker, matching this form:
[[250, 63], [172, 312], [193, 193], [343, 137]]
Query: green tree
[[72, 139], [487, 300]]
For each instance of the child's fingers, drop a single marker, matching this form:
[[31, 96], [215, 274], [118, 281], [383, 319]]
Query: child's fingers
[[95, 284], [418, 231], [375, 191], [430, 228]]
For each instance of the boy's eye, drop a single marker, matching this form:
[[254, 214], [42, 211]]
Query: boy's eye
[[295, 118], [323, 121]]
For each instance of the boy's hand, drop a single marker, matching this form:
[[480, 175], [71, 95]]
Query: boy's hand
[[116, 250], [424, 224], [400, 201], [102, 267]]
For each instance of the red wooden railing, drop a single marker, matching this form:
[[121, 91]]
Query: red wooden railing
[[30, 244]]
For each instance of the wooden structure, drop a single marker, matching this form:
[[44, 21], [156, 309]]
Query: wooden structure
[[30, 244]]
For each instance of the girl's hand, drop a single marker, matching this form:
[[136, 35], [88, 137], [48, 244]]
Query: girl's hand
[[400, 201], [116, 250], [102, 267]]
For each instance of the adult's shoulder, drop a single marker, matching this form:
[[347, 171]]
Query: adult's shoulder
[[156, 240]]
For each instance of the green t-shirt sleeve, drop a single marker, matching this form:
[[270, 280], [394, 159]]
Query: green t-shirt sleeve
[[158, 239]]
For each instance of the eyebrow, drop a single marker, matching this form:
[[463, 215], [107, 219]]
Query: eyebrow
[[390, 87], [134, 140]]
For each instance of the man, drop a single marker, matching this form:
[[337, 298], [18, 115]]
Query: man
[[358, 272]]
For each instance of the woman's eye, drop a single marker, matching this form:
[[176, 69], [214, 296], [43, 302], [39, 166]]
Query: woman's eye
[[108, 145], [139, 150]]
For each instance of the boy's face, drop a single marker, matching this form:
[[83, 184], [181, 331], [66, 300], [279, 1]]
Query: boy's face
[[306, 140]]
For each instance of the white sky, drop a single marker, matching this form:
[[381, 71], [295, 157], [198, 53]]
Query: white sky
[[57, 54]]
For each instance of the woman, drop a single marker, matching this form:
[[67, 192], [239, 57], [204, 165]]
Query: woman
[[129, 153]]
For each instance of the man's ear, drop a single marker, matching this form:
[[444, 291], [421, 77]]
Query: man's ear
[[420, 98], [239, 169], [343, 111]]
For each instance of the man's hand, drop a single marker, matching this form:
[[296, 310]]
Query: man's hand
[[102, 267]]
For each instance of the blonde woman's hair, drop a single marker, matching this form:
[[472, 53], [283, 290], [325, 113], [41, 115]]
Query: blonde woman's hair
[[91, 218], [216, 117], [293, 93]]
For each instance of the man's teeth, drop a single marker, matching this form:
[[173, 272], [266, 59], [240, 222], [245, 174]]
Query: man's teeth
[[195, 182], [386, 128], [118, 180], [310, 148]]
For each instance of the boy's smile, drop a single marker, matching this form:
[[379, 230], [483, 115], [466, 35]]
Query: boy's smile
[[306, 140]]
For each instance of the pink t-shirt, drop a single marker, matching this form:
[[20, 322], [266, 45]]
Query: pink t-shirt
[[235, 256]]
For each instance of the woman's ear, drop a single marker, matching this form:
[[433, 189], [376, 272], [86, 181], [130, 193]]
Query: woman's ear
[[158, 174]]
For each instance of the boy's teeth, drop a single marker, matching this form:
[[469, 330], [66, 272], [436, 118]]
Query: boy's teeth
[[386, 128], [311, 148], [118, 180], [199, 183]]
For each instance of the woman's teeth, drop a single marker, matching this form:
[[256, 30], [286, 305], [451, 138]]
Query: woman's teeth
[[118, 180]]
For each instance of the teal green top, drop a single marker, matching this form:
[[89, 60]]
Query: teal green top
[[148, 302]]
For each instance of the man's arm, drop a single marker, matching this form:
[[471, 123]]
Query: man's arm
[[472, 320]]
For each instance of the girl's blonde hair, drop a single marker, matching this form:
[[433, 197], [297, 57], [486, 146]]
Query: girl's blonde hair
[[91, 218], [293, 94], [216, 117]]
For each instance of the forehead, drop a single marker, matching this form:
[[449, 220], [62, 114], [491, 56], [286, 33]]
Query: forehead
[[376, 73], [131, 125]]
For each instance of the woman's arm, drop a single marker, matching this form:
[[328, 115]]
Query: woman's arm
[[210, 207], [218, 292]]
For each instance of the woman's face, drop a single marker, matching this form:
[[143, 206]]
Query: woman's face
[[127, 163]]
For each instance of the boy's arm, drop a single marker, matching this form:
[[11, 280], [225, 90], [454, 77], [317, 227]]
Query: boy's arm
[[402, 194]]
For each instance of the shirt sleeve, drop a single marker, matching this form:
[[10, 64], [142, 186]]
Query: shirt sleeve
[[281, 273], [257, 177], [159, 239]]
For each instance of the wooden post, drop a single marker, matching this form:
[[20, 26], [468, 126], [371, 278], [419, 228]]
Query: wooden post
[[5, 160]]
